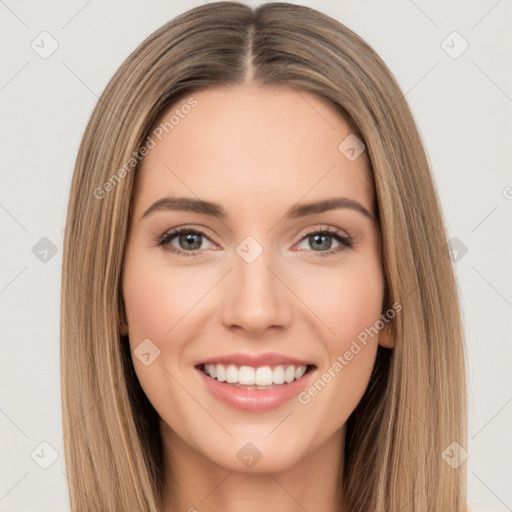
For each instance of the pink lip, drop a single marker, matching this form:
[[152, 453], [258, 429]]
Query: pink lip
[[256, 360], [255, 400]]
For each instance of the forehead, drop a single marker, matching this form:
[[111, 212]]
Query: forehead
[[253, 148]]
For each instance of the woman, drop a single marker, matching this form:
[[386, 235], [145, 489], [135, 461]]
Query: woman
[[267, 314]]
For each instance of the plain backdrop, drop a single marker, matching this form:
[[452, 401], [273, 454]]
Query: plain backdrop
[[461, 100]]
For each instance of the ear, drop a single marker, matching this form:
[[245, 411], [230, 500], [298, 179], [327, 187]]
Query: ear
[[123, 323], [387, 337], [123, 330]]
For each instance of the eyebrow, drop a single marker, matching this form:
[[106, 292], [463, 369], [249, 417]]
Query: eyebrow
[[189, 204]]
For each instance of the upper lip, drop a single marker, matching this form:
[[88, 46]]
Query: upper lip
[[256, 360]]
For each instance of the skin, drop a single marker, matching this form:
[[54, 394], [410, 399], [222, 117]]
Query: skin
[[256, 151]]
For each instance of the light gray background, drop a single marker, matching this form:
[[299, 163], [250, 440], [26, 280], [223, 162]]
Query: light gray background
[[463, 110]]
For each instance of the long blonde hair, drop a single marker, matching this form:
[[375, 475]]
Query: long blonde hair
[[415, 404]]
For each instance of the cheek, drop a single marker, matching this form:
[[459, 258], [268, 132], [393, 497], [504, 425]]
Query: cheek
[[146, 308], [157, 298], [350, 305], [347, 300]]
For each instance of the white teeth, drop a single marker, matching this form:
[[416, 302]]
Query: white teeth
[[246, 376], [299, 372], [264, 376], [278, 375], [231, 374], [220, 370], [289, 374], [249, 376]]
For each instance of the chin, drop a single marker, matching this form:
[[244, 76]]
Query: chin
[[258, 455]]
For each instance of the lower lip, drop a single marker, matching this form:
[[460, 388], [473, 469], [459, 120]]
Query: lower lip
[[255, 400]]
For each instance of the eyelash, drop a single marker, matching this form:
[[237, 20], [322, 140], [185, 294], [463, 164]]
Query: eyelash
[[163, 241]]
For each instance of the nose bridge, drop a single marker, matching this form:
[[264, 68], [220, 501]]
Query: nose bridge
[[256, 298]]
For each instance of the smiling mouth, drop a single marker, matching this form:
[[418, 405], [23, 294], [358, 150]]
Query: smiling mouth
[[257, 378]]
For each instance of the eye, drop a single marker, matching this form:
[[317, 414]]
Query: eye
[[322, 239], [189, 239]]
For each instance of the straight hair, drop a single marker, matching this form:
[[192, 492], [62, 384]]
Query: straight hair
[[415, 404]]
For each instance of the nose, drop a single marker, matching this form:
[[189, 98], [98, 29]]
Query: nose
[[256, 295]]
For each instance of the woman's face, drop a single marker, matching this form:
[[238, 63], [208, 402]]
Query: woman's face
[[261, 288]]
